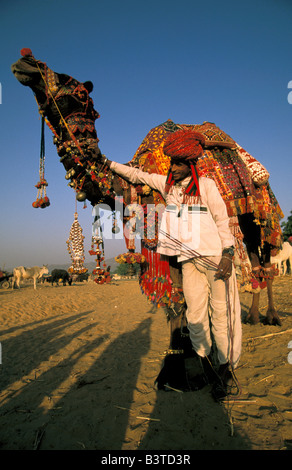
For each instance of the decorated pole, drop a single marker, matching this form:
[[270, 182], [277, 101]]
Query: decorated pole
[[97, 249], [76, 248]]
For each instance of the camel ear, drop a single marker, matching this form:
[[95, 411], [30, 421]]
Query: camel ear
[[88, 86]]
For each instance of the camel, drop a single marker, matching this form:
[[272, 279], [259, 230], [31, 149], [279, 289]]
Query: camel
[[67, 108]]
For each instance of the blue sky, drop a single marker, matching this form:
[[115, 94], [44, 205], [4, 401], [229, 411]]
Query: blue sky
[[227, 62]]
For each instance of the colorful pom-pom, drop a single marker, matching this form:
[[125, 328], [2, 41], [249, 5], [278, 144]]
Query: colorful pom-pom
[[26, 52]]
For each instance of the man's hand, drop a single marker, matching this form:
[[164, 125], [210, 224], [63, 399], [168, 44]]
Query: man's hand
[[104, 160], [225, 268]]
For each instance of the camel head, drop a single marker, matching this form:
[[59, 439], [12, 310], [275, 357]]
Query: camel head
[[27, 70], [63, 100], [69, 112]]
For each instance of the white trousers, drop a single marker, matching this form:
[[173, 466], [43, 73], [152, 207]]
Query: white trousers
[[207, 311]]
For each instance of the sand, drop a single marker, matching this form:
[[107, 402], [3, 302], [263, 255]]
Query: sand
[[79, 364]]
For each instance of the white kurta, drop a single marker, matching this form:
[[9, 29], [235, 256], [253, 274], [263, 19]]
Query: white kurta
[[200, 230], [202, 227]]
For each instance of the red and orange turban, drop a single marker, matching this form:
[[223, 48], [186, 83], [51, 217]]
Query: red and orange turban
[[184, 144]]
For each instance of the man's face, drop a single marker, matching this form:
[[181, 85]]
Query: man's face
[[179, 170]]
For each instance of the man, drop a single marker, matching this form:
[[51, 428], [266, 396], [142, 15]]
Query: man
[[195, 229]]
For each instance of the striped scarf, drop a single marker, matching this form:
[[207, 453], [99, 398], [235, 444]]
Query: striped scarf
[[192, 188]]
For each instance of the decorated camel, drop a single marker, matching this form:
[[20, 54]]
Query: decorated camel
[[67, 108]]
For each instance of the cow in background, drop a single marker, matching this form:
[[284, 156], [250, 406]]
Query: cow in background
[[80, 277], [22, 273], [283, 256], [60, 274]]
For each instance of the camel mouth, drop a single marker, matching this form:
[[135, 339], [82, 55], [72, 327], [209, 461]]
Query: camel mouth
[[23, 79], [23, 76]]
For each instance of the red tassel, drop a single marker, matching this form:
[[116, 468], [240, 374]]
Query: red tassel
[[26, 52]]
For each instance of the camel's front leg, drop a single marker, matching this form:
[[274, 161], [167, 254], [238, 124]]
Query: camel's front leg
[[179, 335], [253, 316], [272, 316]]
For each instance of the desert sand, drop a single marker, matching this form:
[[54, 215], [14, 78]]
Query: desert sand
[[79, 364]]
